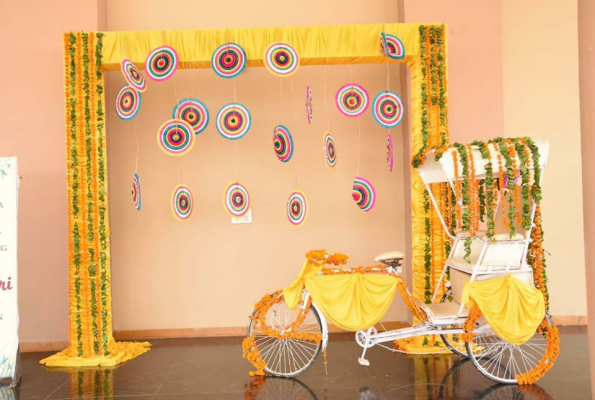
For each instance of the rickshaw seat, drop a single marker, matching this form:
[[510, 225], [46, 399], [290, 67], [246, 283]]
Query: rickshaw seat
[[446, 310], [390, 255]]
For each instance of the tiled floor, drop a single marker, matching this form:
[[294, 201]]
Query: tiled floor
[[182, 369]]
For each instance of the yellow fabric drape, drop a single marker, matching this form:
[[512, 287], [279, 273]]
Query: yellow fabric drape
[[293, 293], [513, 308], [353, 301], [315, 45]]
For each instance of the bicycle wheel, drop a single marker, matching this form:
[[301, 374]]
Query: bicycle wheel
[[454, 342], [288, 341], [507, 363]]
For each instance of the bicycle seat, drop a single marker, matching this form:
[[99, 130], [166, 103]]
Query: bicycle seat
[[390, 259]]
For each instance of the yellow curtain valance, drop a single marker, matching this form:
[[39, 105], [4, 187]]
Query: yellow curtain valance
[[315, 45], [352, 301], [513, 308]]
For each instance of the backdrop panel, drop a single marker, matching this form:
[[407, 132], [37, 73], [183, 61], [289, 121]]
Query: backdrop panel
[[88, 55]]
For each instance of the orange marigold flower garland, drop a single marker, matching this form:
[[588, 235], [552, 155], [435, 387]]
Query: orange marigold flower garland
[[546, 363], [249, 350], [536, 256], [458, 189]]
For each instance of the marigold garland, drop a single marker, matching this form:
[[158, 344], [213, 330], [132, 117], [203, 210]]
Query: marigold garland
[[550, 332], [546, 363], [249, 350]]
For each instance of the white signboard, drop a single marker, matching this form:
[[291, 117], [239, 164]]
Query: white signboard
[[9, 314]]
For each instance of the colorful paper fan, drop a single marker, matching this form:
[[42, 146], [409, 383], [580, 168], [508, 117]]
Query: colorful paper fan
[[352, 100], [281, 59], [194, 112], [283, 143], [233, 121], [387, 109], [297, 208], [132, 75], [391, 46], [229, 60], [330, 150], [161, 63], [175, 137], [182, 202], [309, 104], [363, 193], [236, 199], [390, 153], [127, 102], [136, 192]]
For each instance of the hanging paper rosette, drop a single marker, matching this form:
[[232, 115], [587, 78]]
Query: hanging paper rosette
[[229, 60], [363, 193], [236, 199], [283, 143], [352, 100], [281, 59], [161, 63], [127, 103]]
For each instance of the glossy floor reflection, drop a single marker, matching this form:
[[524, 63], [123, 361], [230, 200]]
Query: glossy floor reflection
[[214, 369]]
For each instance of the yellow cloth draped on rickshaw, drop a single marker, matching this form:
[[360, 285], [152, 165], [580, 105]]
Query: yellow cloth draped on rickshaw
[[513, 308], [352, 301]]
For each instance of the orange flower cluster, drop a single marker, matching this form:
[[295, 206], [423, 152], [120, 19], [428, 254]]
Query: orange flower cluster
[[322, 257], [536, 256], [516, 190], [552, 350], [473, 194], [458, 189], [249, 350], [469, 324], [501, 183], [373, 269]]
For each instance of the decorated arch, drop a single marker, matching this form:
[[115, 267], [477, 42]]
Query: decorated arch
[[87, 56]]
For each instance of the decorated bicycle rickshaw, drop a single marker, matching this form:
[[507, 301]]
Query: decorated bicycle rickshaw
[[490, 304]]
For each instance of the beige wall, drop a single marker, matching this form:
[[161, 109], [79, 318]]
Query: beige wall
[[586, 31], [32, 115], [474, 63], [541, 99], [207, 272]]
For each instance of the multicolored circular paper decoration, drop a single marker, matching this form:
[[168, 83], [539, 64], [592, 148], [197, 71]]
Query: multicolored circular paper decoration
[[391, 46], [175, 137], [352, 100], [127, 102], [281, 59], [161, 63], [390, 153], [283, 143], [236, 199], [363, 193], [136, 191], [132, 75], [387, 109], [297, 208], [182, 202], [309, 104], [194, 112], [229, 60], [233, 121], [330, 151]]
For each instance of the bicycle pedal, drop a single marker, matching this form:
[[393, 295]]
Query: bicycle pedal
[[363, 361]]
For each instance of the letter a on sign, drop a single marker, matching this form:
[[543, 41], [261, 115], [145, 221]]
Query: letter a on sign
[[9, 313]]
